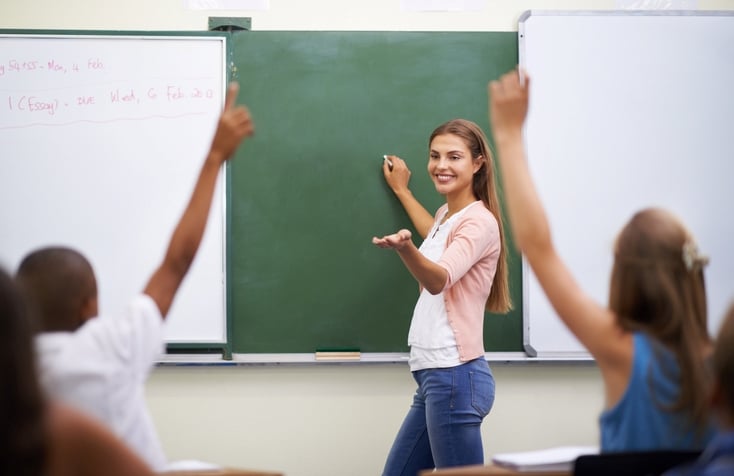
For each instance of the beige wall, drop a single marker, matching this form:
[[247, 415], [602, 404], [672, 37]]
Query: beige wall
[[330, 419], [500, 15], [324, 420]]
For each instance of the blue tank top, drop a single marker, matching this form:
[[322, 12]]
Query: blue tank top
[[641, 420]]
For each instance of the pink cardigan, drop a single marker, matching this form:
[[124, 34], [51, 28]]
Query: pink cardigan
[[472, 250]]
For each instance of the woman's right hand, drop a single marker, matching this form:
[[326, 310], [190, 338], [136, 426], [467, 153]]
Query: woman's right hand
[[397, 176]]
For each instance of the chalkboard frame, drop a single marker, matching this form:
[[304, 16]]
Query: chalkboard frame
[[395, 216]]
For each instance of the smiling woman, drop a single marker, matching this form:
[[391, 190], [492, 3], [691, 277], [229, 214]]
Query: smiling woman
[[451, 166], [461, 267]]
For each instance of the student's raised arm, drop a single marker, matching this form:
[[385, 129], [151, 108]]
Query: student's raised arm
[[397, 176], [234, 125], [588, 320]]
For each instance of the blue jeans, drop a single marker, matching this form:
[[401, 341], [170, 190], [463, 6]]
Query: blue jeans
[[443, 426]]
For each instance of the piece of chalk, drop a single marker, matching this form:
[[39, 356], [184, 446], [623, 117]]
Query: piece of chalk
[[389, 162]]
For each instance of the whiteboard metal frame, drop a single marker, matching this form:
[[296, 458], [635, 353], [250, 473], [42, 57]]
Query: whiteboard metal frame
[[532, 351], [222, 38]]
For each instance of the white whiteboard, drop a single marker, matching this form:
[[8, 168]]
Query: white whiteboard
[[628, 110], [102, 139]]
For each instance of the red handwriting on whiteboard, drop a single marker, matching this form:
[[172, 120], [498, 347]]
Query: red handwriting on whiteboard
[[125, 96], [30, 66], [34, 104], [100, 101], [118, 95], [85, 100], [95, 63]]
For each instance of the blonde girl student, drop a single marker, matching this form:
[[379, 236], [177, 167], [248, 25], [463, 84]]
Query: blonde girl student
[[461, 267], [651, 341]]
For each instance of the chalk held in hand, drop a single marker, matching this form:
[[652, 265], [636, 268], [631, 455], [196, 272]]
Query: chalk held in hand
[[389, 162]]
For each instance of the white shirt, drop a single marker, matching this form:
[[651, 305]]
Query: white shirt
[[431, 339], [101, 369]]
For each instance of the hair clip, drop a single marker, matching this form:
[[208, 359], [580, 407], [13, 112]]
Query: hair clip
[[692, 258]]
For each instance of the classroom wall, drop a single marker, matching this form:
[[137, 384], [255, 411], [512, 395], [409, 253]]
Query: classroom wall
[[340, 419], [334, 419]]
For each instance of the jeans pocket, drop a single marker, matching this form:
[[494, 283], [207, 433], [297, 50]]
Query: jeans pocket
[[482, 392]]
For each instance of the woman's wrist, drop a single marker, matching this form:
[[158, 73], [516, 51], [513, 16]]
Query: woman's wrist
[[402, 192]]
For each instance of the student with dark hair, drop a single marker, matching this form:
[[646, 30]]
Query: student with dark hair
[[100, 365], [40, 437]]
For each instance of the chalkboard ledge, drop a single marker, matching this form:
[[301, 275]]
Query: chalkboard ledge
[[180, 359], [367, 357], [494, 358]]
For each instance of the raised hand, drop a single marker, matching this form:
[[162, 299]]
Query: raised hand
[[508, 102], [234, 125]]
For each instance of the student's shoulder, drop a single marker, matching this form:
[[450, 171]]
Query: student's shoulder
[[139, 325], [146, 305], [79, 444], [140, 309], [68, 428], [72, 427]]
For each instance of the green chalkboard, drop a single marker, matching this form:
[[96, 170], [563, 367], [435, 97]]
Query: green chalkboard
[[306, 194]]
